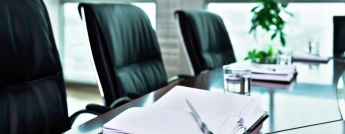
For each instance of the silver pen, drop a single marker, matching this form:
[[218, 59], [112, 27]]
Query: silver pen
[[198, 118]]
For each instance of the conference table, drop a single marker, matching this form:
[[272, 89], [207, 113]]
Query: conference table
[[313, 100]]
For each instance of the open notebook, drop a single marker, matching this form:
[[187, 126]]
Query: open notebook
[[269, 72], [224, 113]]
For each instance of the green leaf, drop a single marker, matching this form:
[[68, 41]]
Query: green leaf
[[282, 40], [261, 54], [253, 29], [274, 35], [285, 5], [270, 51], [251, 54], [267, 16], [289, 13], [253, 10], [280, 52]]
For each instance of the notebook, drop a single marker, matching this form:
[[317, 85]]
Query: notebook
[[274, 85], [269, 72], [222, 112], [306, 57]]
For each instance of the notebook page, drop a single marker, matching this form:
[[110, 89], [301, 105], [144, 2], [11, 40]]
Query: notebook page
[[251, 108], [157, 121], [206, 102], [249, 122]]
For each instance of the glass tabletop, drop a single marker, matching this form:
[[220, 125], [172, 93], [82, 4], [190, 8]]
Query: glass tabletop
[[311, 99]]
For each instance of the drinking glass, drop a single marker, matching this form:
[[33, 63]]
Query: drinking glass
[[237, 79], [284, 59]]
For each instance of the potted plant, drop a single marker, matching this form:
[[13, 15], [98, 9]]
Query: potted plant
[[267, 16]]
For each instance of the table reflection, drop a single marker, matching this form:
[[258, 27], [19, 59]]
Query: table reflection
[[309, 100]]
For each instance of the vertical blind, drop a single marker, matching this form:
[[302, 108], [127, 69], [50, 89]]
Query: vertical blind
[[174, 58]]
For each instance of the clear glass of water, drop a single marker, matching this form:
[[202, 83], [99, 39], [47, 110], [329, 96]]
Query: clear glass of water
[[284, 59], [233, 79]]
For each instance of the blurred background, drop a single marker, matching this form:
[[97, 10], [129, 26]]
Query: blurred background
[[312, 20]]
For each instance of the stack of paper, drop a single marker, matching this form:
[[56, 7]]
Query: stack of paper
[[222, 112], [274, 85], [306, 57], [269, 72]]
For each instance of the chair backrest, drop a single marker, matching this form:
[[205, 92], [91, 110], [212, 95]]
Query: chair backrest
[[338, 35], [32, 90], [125, 50], [206, 39]]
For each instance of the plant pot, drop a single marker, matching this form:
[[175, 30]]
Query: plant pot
[[266, 60]]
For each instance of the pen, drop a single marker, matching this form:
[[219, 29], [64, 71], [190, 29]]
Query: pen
[[198, 118]]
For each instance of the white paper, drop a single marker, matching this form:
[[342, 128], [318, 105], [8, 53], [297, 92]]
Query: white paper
[[206, 102], [159, 121], [222, 112], [269, 72], [302, 56]]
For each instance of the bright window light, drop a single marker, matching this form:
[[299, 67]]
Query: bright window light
[[311, 22]]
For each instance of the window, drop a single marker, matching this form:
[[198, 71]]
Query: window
[[311, 22], [76, 61]]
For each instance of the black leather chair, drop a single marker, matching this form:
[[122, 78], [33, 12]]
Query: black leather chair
[[205, 39], [32, 90], [125, 52], [338, 35]]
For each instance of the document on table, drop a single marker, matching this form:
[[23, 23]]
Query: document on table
[[159, 121], [269, 72], [222, 112], [307, 57]]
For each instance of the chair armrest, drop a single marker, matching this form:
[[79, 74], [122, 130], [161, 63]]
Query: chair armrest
[[103, 109], [97, 108], [206, 70], [121, 101], [179, 77], [76, 114]]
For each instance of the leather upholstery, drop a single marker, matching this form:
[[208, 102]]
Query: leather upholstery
[[206, 39], [32, 91], [125, 50], [338, 35]]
